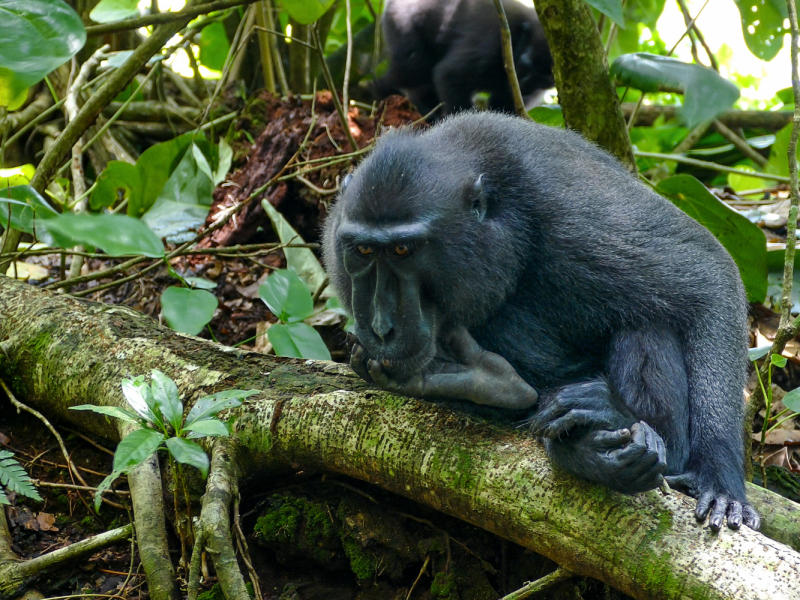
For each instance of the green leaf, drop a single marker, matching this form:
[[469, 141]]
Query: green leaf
[[744, 241], [214, 46], [548, 115], [14, 478], [208, 406], [286, 296], [188, 453], [187, 311], [779, 152], [743, 183], [155, 165], [136, 447], [778, 360], [208, 428], [297, 340], [37, 36], [111, 411], [115, 234], [104, 485], [26, 207], [167, 399], [306, 11], [119, 181], [757, 353], [792, 400], [107, 11], [302, 260], [706, 93], [184, 201], [140, 398], [610, 8], [765, 18], [199, 283], [225, 159]]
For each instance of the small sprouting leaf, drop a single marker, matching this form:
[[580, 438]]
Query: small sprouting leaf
[[111, 411], [706, 93], [188, 453], [778, 360], [306, 11], [104, 485], [297, 340], [286, 296], [14, 478], [225, 160], [208, 428], [208, 406], [136, 447], [140, 398], [757, 353], [792, 400], [167, 399], [115, 234], [188, 311]]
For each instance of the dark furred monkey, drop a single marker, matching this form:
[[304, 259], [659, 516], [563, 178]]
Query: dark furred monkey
[[446, 50], [490, 257]]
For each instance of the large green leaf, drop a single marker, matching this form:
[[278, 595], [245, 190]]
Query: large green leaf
[[119, 181], [155, 165], [286, 296], [25, 207], [306, 11], [167, 399], [107, 11], [115, 234], [762, 25], [37, 36], [705, 93], [136, 447], [187, 311], [610, 8], [208, 428], [302, 260], [792, 400], [188, 453], [111, 411], [208, 406], [742, 239], [214, 46], [297, 340]]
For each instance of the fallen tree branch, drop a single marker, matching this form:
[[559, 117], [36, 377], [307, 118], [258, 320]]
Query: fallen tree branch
[[58, 352]]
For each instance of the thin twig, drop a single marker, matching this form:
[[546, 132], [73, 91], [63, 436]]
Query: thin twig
[[508, 61], [709, 165], [349, 56], [541, 584], [421, 571]]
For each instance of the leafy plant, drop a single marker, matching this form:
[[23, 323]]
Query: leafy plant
[[158, 411], [290, 300], [791, 400], [187, 310], [13, 478]]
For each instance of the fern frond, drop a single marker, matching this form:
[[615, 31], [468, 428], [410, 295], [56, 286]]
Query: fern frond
[[14, 478]]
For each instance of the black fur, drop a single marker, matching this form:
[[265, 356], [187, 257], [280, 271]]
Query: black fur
[[625, 314], [446, 50]]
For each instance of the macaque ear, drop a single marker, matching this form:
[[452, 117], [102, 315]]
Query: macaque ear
[[478, 198], [345, 182]]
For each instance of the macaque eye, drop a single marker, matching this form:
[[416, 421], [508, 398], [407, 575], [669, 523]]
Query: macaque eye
[[400, 250], [364, 250]]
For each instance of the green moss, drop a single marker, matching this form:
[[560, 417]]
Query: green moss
[[280, 524], [390, 401], [296, 524], [444, 586], [250, 589], [361, 562], [215, 593]]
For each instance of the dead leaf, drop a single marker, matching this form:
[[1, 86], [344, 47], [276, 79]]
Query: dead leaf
[[46, 522]]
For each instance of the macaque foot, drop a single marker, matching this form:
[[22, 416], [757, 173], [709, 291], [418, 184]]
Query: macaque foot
[[715, 505]]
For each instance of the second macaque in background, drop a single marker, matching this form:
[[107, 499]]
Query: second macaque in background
[[446, 51]]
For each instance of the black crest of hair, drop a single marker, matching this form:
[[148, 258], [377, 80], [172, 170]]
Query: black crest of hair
[[444, 51], [493, 259]]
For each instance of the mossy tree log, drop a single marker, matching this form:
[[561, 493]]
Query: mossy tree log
[[58, 352]]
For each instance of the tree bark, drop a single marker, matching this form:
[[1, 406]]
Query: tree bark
[[57, 352], [586, 92]]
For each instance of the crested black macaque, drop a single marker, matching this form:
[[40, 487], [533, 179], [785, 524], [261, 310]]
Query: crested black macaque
[[490, 257], [446, 50]]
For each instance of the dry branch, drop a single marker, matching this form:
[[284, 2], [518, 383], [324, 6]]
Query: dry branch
[[57, 351]]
